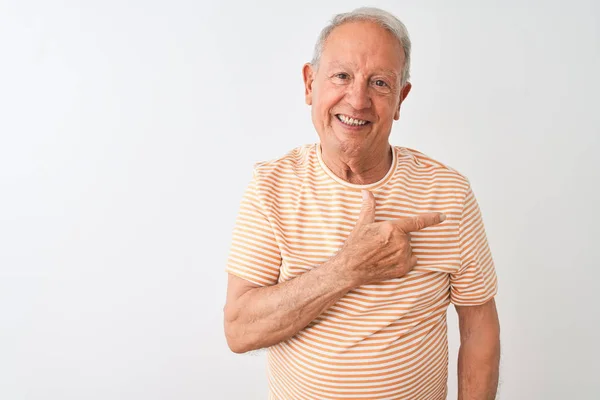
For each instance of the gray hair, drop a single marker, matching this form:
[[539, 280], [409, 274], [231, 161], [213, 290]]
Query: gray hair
[[383, 18]]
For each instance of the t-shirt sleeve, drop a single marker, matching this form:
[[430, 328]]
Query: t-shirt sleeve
[[475, 282], [254, 254]]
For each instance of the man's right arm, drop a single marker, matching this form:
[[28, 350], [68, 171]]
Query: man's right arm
[[258, 317]]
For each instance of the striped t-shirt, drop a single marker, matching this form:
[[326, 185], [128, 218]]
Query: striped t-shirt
[[384, 340]]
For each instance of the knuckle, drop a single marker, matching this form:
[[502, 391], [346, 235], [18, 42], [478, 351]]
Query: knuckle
[[368, 207], [414, 260], [387, 226], [386, 229]]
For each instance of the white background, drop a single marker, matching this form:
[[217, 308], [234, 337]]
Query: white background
[[127, 134]]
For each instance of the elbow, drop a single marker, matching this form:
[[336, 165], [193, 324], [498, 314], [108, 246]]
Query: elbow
[[237, 348], [233, 334], [234, 343]]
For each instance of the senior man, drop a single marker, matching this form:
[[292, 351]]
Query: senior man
[[347, 253]]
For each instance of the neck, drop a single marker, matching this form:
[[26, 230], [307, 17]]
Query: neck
[[363, 169]]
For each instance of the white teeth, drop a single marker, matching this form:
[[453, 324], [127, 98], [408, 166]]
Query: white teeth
[[351, 121]]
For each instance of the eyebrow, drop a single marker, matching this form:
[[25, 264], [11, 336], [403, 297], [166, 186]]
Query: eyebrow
[[387, 72]]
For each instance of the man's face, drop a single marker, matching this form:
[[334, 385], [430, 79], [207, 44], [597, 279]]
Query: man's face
[[358, 77]]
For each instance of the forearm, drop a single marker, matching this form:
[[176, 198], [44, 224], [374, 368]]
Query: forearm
[[268, 315], [478, 367]]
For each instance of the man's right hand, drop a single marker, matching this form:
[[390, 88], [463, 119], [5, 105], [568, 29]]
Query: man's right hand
[[378, 251]]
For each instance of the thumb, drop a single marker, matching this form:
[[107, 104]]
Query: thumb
[[367, 212]]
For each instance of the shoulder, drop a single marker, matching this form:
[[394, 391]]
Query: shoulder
[[290, 166], [282, 176], [435, 169], [427, 169]]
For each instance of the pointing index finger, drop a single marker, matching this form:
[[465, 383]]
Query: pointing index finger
[[420, 221]]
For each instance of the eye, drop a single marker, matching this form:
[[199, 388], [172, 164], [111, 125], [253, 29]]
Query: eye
[[342, 76], [380, 83]]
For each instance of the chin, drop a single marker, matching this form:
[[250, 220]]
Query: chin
[[350, 145]]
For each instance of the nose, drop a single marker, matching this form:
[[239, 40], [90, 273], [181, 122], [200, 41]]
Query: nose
[[358, 95]]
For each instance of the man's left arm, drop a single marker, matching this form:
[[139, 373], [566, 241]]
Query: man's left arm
[[479, 354]]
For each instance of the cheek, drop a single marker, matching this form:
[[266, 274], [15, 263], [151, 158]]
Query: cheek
[[328, 98], [385, 110]]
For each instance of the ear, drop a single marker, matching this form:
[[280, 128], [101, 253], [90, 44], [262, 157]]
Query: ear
[[308, 73], [403, 93]]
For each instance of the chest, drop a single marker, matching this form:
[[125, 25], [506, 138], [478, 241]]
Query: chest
[[312, 226]]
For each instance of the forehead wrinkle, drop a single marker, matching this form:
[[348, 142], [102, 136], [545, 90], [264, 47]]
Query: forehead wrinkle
[[339, 64]]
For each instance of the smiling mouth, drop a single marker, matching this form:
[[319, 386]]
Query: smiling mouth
[[346, 120]]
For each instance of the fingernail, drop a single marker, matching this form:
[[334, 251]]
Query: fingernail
[[442, 217], [365, 195]]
